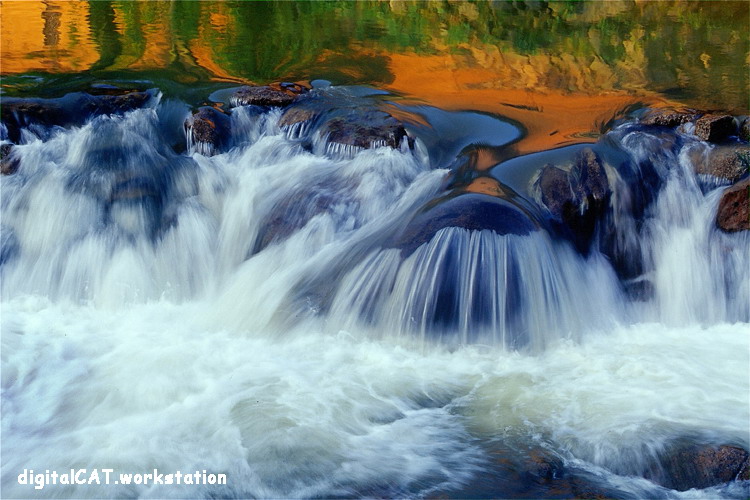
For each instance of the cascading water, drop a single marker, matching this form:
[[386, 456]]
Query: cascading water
[[249, 313]]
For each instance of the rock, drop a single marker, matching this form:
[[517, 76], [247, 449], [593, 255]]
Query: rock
[[667, 117], [700, 466], [577, 199], [475, 212], [745, 129], [275, 94], [8, 162], [207, 131], [364, 129], [592, 179], [715, 127], [554, 184], [729, 162], [296, 115], [734, 208], [115, 104]]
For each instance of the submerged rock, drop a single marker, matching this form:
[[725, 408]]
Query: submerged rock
[[207, 131], [734, 208], [475, 212], [275, 95], [700, 466], [8, 162]]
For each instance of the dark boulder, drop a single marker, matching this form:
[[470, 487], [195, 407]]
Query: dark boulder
[[667, 117], [8, 161], [274, 95], [556, 192], [115, 104], [475, 212], [578, 198], [364, 128], [745, 129], [734, 208], [715, 127], [207, 131], [699, 466], [729, 162]]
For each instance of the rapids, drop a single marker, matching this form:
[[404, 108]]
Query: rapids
[[249, 313]]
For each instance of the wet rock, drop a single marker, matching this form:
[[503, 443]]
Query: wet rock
[[207, 131], [275, 94], [296, 115], [474, 212], [21, 113], [745, 129], [115, 104], [729, 162], [715, 127], [592, 182], [734, 208], [667, 117], [556, 192], [71, 110], [364, 129], [700, 466], [578, 198], [8, 162]]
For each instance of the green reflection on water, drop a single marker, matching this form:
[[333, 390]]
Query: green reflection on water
[[694, 51]]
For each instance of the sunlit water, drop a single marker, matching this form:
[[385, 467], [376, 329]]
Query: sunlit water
[[143, 327]]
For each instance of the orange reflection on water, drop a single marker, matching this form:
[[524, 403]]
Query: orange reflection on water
[[551, 117], [52, 36]]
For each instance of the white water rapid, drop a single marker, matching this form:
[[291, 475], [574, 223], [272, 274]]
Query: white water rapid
[[244, 314]]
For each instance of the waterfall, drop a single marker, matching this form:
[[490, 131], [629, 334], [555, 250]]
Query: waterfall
[[262, 312]]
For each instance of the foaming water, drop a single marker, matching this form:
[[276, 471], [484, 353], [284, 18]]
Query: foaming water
[[247, 313], [319, 414]]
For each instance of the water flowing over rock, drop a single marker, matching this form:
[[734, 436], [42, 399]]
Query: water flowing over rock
[[207, 131], [334, 121], [473, 212], [537, 317], [368, 129], [72, 110], [725, 162]]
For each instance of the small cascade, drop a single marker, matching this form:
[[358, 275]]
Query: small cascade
[[698, 272], [480, 287]]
